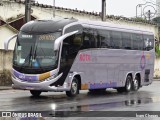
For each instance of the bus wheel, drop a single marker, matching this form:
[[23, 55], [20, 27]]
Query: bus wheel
[[121, 89], [135, 84], [74, 88], [35, 93], [128, 84]]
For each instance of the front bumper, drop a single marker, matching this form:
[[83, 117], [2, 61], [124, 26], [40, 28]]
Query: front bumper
[[42, 86]]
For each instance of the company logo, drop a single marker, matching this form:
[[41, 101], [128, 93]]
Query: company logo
[[149, 11], [143, 62], [85, 57], [6, 114]]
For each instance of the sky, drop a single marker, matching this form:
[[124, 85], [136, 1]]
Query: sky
[[126, 8]]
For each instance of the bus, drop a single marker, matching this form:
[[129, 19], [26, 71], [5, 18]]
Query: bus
[[72, 55]]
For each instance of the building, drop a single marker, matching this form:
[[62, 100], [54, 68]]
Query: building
[[158, 8]]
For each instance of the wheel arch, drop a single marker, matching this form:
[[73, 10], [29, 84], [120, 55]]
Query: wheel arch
[[129, 74], [78, 77]]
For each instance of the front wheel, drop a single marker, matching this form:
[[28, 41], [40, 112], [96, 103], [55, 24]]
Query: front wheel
[[128, 85], [35, 93], [74, 88]]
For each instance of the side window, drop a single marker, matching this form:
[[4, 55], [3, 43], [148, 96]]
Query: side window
[[71, 45], [86, 41], [116, 41], [77, 40], [126, 40], [137, 41], [75, 43], [89, 40], [103, 38], [148, 42]]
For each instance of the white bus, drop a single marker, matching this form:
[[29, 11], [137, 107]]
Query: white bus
[[72, 55]]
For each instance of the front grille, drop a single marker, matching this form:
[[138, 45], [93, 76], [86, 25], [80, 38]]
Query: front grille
[[32, 70]]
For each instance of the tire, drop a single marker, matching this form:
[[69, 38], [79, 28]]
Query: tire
[[35, 93], [135, 84], [128, 85], [120, 90], [74, 88]]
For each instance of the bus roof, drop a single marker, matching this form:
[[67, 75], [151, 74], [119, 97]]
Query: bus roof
[[115, 27], [50, 26], [46, 26]]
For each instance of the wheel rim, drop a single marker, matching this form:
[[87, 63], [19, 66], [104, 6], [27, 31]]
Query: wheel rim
[[128, 84], [74, 87], [135, 84]]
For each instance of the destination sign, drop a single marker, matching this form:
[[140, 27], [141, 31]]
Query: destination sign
[[46, 37]]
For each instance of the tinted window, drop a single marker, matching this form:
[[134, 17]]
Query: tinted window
[[116, 41], [148, 42], [103, 38], [72, 44], [137, 41], [89, 39], [126, 40]]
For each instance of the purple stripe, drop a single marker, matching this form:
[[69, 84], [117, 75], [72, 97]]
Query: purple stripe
[[103, 85], [24, 77]]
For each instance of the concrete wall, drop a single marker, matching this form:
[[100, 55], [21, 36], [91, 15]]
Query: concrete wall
[[5, 67], [5, 33]]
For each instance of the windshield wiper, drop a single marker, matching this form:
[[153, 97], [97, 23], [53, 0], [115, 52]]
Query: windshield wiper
[[35, 53], [34, 58], [27, 58]]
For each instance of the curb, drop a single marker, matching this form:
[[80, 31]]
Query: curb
[[5, 87]]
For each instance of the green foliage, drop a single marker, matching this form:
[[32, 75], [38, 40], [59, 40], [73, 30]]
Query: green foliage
[[157, 20], [157, 49], [139, 19]]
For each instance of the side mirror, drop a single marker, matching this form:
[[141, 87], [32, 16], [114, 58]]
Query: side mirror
[[6, 42]]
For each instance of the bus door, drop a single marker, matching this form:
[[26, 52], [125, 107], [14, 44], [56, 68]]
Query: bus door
[[70, 48]]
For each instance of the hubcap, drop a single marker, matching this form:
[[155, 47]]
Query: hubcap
[[128, 84], [74, 87], [135, 84]]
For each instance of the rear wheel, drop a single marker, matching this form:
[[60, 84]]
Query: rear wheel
[[128, 84], [135, 84], [35, 93], [127, 87], [74, 88]]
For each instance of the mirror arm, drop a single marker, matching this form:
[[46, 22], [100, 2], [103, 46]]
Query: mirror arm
[[6, 42]]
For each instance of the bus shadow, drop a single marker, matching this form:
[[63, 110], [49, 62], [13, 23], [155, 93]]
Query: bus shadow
[[103, 93], [110, 93]]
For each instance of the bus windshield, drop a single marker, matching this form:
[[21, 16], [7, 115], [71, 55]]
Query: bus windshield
[[36, 51]]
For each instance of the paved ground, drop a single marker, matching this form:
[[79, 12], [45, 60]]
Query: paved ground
[[5, 87], [89, 105]]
